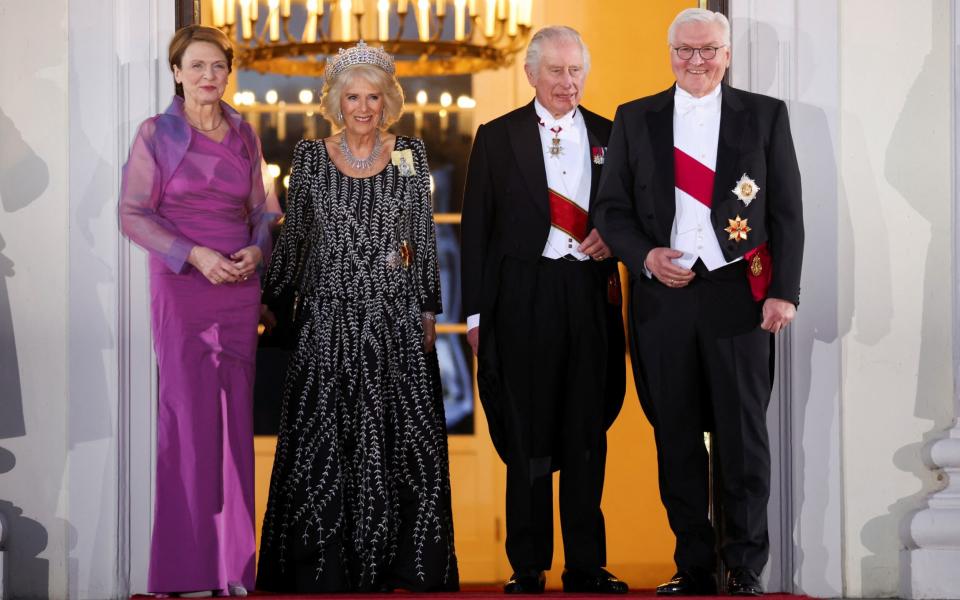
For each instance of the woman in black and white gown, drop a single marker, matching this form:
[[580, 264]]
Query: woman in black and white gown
[[360, 492]]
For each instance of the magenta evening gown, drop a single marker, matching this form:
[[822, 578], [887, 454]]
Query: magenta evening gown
[[199, 192]]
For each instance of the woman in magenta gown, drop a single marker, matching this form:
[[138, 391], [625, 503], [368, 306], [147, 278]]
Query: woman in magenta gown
[[193, 197]]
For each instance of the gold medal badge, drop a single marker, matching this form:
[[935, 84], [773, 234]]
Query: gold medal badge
[[738, 229], [756, 265]]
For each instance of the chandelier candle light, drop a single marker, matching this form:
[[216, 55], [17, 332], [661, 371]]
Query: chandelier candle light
[[446, 37]]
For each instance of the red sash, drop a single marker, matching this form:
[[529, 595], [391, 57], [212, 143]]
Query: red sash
[[696, 179], [693, 177], [567, 216]]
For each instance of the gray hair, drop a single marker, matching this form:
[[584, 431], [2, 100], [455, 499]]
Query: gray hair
[[554, 33], [700, 15]]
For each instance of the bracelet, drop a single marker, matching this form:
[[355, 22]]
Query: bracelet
[[428, 316]]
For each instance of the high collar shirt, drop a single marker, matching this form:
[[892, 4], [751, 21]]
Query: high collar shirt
[[568, 172], [696, 132]]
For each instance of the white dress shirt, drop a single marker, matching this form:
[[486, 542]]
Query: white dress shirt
[[696, 132], [567, 173]]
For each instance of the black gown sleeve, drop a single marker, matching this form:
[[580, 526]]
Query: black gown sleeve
[[425, 259], [286, 263]]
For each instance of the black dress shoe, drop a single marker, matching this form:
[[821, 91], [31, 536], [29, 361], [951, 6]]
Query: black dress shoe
[[526, 583], [742, 581], [601, 582], [689, 583]]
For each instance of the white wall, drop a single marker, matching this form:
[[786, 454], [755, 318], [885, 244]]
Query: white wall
[[75, 362], [895, 189], [92, 307], [33, 295], [788, 49], [868, 85]]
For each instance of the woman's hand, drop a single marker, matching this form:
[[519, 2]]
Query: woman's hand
[[429, 331], [246, 260], [267, 318], [213, 265]]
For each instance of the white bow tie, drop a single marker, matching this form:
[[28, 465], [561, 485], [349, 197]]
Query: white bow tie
[[684, 104]]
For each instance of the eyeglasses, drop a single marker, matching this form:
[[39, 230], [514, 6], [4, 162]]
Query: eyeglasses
[[706, 53]]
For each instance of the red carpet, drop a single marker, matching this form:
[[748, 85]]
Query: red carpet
[[477, 594]]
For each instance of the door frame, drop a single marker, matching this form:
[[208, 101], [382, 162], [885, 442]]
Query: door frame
[[145, 92]]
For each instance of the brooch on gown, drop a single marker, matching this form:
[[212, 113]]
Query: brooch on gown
[[403, 256], [403, 161]]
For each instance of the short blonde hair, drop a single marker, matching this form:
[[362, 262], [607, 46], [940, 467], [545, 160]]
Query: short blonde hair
[[378, 78]]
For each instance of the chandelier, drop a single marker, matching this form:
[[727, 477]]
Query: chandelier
[[440, 37]]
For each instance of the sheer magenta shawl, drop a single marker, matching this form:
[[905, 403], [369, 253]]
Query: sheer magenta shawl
[[159, 147]]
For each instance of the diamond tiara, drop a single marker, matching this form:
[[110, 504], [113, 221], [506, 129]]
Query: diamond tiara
[[361, 54]]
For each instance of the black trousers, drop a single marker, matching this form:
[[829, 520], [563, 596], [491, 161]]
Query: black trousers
[[551, 339], [703, 363]]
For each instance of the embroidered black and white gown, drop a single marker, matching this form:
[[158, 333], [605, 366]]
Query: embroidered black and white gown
[[360, 492]]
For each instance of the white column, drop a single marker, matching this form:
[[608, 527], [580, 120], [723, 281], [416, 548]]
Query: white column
[[930, 563]]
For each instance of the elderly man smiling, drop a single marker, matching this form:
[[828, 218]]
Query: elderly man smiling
[[700, 197], [543, 295]]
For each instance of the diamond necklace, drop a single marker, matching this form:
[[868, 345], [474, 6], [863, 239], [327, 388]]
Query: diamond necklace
[[360, 164]]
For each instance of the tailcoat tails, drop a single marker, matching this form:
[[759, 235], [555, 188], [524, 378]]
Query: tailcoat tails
[[701, 361], [551, 353]]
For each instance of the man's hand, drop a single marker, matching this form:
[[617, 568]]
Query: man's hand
[[473, 338], [594, 246], [659, 262], [777, 314]]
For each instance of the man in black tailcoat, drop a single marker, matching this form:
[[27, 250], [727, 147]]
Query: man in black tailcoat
[[700, 197], [542, 292]]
